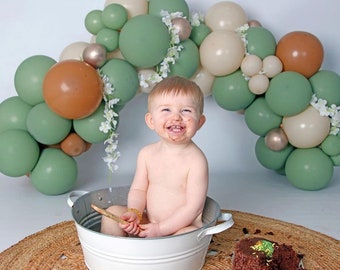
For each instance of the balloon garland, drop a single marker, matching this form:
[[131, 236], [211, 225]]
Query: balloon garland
[[64, 107]]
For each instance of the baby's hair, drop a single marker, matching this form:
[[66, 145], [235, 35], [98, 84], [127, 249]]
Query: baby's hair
[[177, 85]]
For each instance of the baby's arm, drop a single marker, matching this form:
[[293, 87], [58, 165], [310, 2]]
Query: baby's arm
[[136, 197], [197, 185]]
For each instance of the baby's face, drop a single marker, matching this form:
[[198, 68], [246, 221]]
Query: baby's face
[[175, 118]]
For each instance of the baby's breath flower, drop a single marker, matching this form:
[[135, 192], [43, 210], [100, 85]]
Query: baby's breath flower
[[110, 124], [196, 19], [333, 112]]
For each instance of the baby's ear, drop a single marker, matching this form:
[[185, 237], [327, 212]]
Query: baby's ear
[[201, 121], [149, 121]]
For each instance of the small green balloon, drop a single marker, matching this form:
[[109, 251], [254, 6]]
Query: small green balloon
[[260, 119], [231, 92], [289, 93], [260, 42], [157, 6], [19, 152], [29, 77], [108, 38], [188, 62], [55, 172], [114, 16], [46, 126], [199, 33], [123, 77], [331, 145], [13, 113], [309, 169], [88, 128], [336, 160], [144, 41], [326, 85], [93, 21], [274, 160]]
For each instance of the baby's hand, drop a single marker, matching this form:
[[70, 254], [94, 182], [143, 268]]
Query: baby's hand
[[132, 227], [149, 230]]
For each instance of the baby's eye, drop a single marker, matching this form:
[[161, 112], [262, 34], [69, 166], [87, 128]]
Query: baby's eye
[[186, 110], [165, 110]]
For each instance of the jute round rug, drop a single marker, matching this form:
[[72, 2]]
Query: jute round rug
[[58, 247]]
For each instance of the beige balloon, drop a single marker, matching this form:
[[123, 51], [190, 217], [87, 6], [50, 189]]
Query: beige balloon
[[272, 66], [225, 15], [204, 80], [258, 84], [251, 65], [73, 51], [133, 7], [222, 52], [307, 129]]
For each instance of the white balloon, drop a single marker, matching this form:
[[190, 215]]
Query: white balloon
[[258, 84], [272, 66]]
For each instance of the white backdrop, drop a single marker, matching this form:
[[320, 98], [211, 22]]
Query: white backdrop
[[46, 27]]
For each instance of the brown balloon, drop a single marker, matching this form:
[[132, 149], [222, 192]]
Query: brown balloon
[[73, 145], [301, 52], [72, 89], [276, 139]]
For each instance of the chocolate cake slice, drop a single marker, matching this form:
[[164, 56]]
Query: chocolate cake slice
[[261, 254]]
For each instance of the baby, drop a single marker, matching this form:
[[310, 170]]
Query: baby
[[170, 185]]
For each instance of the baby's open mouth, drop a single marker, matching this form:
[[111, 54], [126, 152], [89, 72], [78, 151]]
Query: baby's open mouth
[[175, 128]]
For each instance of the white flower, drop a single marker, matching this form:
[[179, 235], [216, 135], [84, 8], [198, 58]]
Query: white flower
[[333, 112], [110, 124], [196, 19]]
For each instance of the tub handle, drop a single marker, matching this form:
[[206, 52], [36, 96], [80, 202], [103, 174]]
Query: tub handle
[[75, 195], [228, 222]]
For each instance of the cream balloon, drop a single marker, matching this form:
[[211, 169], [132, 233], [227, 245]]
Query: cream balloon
[[272, 66], [222, 52], [73, 51], [204, 80], [307, 129], [133, 7], [251, 65], [276, 139], [258, 84], [225, 15]]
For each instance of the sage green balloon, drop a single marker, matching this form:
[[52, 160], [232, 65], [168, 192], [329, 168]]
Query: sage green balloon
[[123, 77], [144, 40], [274, 160], [13, 113], [260, 119], [46, 126], [199, 33], [55, 172], [231, 92], [188, 62], [93, 21], [108, 38], [326, 85], [331, 145], [289, 93], [260, 41], [156, 6], [19, 152], [114, 16], [309, 169], [29, 77], [88, 128], [336, 160]]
